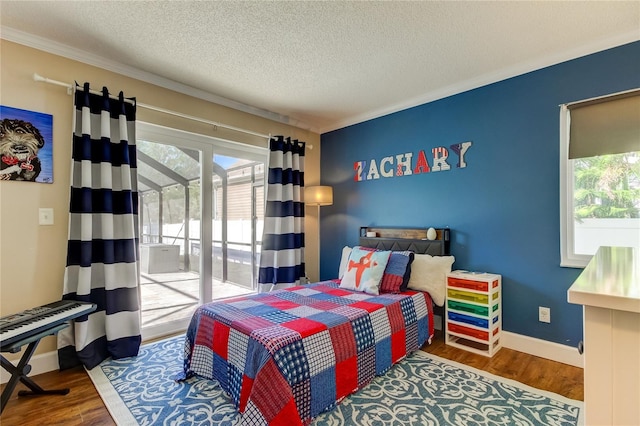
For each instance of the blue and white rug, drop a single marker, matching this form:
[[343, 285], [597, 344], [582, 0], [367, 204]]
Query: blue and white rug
[[421, 390]]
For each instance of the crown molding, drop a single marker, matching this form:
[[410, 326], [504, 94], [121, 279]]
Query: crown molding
[[59, 49], [46, 45], [490, 78]]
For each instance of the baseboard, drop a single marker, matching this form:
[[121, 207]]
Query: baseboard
[[543, 349], [41, 363], [46, 362], [151, 333], [532, 346]]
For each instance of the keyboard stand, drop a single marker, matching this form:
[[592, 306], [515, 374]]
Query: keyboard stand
[[20, 371]]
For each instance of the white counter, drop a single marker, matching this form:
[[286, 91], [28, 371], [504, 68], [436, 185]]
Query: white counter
[[611, 280], [609, 289]]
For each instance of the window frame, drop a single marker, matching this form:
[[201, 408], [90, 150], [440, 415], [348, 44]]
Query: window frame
[[568, 257]]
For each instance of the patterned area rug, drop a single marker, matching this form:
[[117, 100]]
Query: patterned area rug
[[421, 390]]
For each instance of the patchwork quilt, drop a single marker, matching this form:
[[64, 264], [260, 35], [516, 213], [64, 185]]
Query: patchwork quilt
[[288, 355]]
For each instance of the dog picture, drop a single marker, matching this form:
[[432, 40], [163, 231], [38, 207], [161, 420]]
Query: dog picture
[[21, 146]]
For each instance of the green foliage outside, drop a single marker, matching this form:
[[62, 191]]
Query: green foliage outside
[[607, 186]]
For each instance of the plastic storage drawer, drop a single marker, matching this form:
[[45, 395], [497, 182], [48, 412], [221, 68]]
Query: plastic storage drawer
[[467, 307], [471, 332], [468, 296], [467, 319]]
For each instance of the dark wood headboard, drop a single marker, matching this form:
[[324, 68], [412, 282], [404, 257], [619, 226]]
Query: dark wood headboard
[[414, 239]]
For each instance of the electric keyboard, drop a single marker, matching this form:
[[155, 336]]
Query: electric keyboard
[[24, 324]]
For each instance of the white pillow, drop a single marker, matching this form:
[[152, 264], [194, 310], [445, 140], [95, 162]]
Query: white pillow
[[429, 273], [344, 261]]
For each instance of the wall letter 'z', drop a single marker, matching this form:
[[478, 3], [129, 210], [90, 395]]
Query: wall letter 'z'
[[358, 166]]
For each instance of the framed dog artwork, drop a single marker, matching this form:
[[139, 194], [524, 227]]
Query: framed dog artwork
[[26, 145]]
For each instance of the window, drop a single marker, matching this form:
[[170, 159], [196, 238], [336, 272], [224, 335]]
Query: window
[[599, 176]]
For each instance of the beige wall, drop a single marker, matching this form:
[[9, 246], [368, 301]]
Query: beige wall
[[32, 257]]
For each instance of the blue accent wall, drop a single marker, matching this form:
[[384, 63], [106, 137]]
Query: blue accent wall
[[504, 207]]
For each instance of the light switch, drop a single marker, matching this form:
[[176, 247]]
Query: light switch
[[46, 216]]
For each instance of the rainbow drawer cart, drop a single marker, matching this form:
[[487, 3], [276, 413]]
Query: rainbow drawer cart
[[473, 312]]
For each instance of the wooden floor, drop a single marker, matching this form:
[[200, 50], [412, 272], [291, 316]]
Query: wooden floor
[[536, 372], [83, 406]]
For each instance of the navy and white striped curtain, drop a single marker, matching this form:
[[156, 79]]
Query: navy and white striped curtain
[[282, 255], [102, 251]]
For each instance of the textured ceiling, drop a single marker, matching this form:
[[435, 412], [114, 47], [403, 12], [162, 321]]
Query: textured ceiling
[[322, 65]]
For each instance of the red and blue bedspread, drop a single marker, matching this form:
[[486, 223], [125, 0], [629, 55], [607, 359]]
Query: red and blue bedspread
[[288, 355]]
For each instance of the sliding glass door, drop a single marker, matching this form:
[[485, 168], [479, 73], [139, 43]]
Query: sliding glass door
[[238, 188], [201, 209]]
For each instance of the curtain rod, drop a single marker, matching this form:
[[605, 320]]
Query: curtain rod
[[38, 77]]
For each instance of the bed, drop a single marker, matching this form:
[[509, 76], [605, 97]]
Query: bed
[[286, 356]]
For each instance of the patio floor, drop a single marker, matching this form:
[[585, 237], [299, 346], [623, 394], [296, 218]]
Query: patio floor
[[174, 296]]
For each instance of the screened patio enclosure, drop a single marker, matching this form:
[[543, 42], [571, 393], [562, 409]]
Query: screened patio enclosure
[[171, 206]]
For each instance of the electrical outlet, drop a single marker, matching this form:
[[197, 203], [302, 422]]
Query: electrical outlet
[[544, 314], [45, 216]]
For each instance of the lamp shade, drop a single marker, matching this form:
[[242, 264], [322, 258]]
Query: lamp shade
[[318, 195]]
